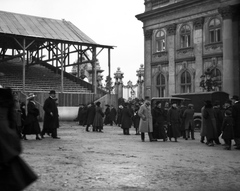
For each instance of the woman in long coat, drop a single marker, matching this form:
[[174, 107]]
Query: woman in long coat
[[119, 115], [31, 125], [159, 119], [127, 114], [173, 122], [136, 119], [188, 121], [145, 125], [90, 115], [98, 119], [210, 123]]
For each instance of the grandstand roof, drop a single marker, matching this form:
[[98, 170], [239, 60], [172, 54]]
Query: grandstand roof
[[21, 25]]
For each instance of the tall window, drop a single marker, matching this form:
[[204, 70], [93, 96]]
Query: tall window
[[185, 36], [214, 30], [160, 41], [161, 85], [186, 83]]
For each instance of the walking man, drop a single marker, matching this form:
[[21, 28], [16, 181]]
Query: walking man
[[51, 121], [236, 119]]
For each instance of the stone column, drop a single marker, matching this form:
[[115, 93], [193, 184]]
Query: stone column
[[147, 62], [227, 39], [171, 32], [198, 51]]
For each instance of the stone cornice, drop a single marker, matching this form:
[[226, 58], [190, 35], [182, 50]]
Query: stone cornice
[[171, 7], [198, 23], [148, 34], [171, 29], [214, 45], [160, 54], [185, 50]]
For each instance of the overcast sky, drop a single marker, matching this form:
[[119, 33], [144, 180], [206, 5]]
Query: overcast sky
[[108, 22]]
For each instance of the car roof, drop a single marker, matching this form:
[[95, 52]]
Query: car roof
[[170, 98]]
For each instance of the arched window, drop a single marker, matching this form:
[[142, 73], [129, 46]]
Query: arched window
[[161, 85], [185, 36], [186, 82], [160, 41], [214, 30]]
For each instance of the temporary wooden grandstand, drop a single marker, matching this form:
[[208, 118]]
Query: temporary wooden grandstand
[[43, 40]]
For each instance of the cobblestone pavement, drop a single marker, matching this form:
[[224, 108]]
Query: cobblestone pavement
[[83, 160]]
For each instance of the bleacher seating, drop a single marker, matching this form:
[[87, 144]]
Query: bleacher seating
[[38, 78]]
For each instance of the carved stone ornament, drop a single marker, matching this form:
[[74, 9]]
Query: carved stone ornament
[[226, 12], [148, 34], [198, 23], [160, 54], [214, 46], [171, 29]]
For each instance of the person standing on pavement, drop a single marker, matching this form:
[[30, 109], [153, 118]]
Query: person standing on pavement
[[146, 124], [173, 118], [227, 130], [119, 115], [210, 123], [91, 110], [219, 120], [107, 119], [51, 118], [236, 118], [188, 121], [127, 115], [113, 113], [159, 119], [31, 124], [136, 119], [98, 119]]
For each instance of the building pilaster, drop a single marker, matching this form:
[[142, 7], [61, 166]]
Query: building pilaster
[[198, 51], [147, 62], [171, 32], [228, 59]]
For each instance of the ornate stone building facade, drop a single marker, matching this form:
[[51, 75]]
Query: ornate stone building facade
[[189, 40]]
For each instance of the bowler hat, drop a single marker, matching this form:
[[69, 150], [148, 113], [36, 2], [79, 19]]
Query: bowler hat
[[52, 92], [98, 103]]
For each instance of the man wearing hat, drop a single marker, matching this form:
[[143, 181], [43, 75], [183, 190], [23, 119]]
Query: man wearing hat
[[236, 119], [51, 121]]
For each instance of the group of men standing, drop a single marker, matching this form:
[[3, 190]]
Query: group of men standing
[[226, 122]]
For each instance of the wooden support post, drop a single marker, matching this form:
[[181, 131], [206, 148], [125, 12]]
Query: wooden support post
[[62, 68], [24, 64], [109, 67]]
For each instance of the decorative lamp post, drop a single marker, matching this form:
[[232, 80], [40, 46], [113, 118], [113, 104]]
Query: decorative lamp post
[[140, 75], [118, 82]]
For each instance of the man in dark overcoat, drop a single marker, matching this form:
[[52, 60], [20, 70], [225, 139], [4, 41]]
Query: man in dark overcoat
[[219, 120], [127, 114], [236, 119], [51, 120], [113, 113], [91, 110], [173, 118]]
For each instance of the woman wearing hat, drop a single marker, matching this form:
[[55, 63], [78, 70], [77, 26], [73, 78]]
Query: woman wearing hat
[[98, 119], [31, 125]]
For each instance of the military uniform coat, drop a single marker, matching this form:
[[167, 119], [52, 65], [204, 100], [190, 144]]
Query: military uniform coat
[[188, 119], [127, 114]]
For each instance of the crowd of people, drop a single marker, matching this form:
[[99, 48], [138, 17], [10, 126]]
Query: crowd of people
[[26, 117], [167, 123]]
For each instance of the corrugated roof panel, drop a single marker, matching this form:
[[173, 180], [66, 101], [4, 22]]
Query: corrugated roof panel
[[24, 22], [25, 25], [81, 35], [59, 33], [16, 24], [9, 24], [4, 26]]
